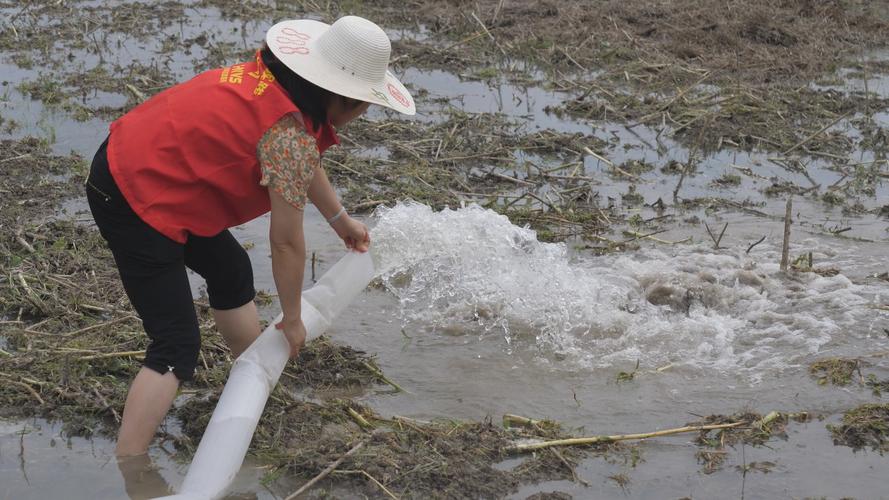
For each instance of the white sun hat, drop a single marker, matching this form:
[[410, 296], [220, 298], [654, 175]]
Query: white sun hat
[[349, 57]]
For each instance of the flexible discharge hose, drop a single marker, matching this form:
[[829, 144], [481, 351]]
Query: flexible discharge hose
[[253, 376]]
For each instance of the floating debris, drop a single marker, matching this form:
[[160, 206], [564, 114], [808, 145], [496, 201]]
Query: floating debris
[[835, 371], [863, 427], [756, 431]]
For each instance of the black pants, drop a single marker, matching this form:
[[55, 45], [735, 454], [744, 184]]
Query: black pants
[[152, 269]]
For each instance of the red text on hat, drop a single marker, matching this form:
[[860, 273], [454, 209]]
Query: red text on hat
[[291, 41]]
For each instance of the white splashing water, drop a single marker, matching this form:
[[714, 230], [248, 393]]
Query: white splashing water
[[471, 270]]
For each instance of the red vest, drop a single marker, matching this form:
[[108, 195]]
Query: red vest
[[186, 160]]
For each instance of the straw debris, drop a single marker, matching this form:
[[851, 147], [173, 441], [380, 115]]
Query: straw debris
[[866, 426], [413, 459], [877, 386], [835, 371], [758, 429], [708, 74]]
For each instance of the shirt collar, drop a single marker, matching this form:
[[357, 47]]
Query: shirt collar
[[325, 135]]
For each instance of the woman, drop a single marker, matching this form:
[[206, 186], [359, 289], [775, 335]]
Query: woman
[[215, 152]]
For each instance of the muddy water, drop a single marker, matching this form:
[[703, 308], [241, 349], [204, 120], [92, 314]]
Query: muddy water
[[491, 325], [529, 328], [40, 462], [477, 318]]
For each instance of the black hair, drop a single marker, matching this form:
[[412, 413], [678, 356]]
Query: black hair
[[311, 99]]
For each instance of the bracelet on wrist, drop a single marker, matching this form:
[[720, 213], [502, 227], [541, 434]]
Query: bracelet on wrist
[[335, 217]]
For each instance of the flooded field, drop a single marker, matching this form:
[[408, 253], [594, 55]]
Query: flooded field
[[581, 225]]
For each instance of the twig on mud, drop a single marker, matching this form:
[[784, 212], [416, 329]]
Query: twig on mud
[[572, 60], [92, 307], [416, 422], [136, 92], [547, 203], [487, 195], [485, 28], [785, 247], [548, 171], [65, 350], [367, 204], [684, 91], [92, 327], [497, 12], [42, 322], [754, 244], [123, 354], [314, 260], [470, 38], [486, 155], [627, 174], [687, 124], [597, 156], [32, 296], [611, 165], [29, 389], [663, 368], [359, 419], [643, 120], [568, 178], [553, 203], [330, 468], [510, 420], [107, 405], [716, 240], [344, 167], [27, 246], [27, 380], [373, 479], [815, 185], [511, 179], [570, 467], [383, 378], [641, 139], [520, 448], [637, 235], [771, 417], [816, 134], [679, 184]]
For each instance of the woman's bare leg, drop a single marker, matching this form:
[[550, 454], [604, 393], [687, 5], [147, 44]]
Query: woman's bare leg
[[239, 327], [151, 393], [150, 397]]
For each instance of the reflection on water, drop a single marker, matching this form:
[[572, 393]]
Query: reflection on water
[[142, 478], [38, 461]]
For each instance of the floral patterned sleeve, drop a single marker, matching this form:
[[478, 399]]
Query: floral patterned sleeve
[[287, 159]]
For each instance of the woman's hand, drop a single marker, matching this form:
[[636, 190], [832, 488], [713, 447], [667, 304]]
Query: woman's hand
[[295, 332], [353, 233]]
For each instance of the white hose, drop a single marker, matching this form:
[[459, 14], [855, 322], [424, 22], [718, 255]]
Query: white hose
[[253, 376]]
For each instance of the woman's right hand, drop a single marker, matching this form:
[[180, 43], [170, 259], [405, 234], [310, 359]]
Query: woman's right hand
[[295, 333], [353, 233]]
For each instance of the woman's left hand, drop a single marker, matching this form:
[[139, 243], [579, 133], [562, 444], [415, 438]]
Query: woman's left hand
[[353, 233]]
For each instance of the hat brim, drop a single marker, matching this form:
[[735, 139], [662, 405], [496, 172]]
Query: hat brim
[[293, 43]]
